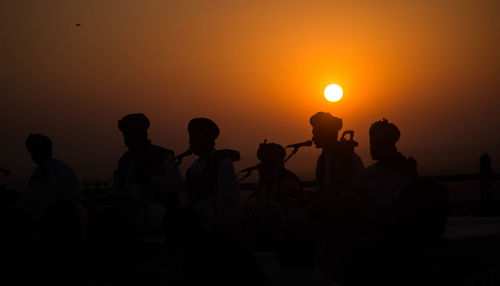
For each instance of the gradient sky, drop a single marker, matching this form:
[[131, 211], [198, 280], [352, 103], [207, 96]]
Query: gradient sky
[[257, 68]]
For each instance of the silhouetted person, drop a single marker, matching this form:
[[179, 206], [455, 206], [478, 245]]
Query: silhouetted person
[[263, 233], [422, 212], [277, 184], [385, 264], [64, 228], [51, 180], [298, 258], [108, 250], [220, 261], [62, 237], [212, 187], [383, 181], [147, 180], [418, 220], [337, 161]]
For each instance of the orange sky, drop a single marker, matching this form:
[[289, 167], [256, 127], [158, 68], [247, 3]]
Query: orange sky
[[257, 68]]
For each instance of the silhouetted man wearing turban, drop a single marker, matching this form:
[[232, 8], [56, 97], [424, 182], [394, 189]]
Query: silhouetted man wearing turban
[[337, 161], [147, 181], [212, 187], [383, 181], [52, 179], [277, 184]]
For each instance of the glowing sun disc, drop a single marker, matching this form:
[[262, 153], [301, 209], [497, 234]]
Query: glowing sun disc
[[333, 92]]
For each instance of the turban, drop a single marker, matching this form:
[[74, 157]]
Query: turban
[[203, 127], [38, 141], [133, 122], [271, 152], [326, 120], [384, 131]]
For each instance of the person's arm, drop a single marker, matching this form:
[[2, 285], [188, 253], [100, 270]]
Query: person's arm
[[171, 183], [73, 185], [117, 194], [357, 162], [228, 197], [119, 177], [26, 197], [290, 192]]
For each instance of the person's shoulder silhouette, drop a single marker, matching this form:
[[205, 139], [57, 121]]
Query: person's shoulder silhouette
[[392, 172], [277, 184], [337, 161], [51, 180], [147, 177], [135, 136], [383, 138], [211, 183]]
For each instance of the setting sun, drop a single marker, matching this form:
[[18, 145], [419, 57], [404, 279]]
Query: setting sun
[[333, 92]]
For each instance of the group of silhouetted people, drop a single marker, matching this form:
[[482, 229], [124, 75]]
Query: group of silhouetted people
[[361, 225]]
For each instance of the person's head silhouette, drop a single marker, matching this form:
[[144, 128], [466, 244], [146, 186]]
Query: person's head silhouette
[[271, 155], [325, 129], [383, 138], [134, 128], [202, 135], [40, 147]]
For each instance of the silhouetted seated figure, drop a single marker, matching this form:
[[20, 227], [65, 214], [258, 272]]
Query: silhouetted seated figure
[[277, 184], [386, 264], [51, 180], [220, 261], [147, 180], [337, 161], [263, 233], [62, 237], [418, 221], [110, 260], [297, 256], [421, 212], [383, 181], [212, 187]]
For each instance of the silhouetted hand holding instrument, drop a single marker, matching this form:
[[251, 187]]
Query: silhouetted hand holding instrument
[[295, 147]]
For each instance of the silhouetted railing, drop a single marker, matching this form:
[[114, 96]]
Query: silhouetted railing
[[486, 177], [438, 178]]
